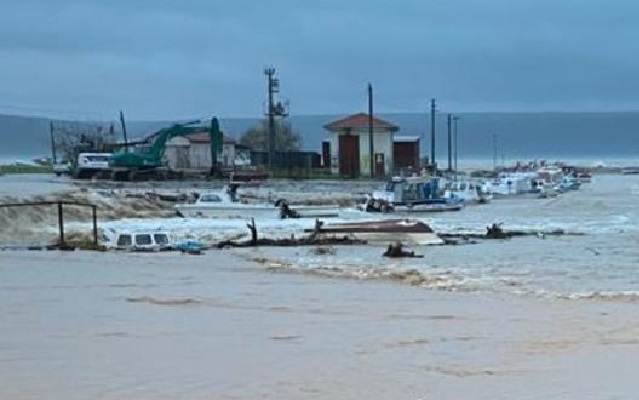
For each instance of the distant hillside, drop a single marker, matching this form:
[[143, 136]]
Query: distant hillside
[[518, 135]]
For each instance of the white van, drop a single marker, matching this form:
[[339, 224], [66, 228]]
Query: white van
[[138, 240]]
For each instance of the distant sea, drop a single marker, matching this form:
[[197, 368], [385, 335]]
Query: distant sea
[[583, 138]]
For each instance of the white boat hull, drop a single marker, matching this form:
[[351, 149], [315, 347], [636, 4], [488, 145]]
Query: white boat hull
[[253, 211], [317, 211], [224, 212], [428, 208]]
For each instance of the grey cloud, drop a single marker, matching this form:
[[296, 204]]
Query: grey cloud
[[161, 57]]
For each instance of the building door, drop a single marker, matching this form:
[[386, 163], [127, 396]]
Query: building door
[[183, 160], [326, 154], [349, 156], [379, 165]]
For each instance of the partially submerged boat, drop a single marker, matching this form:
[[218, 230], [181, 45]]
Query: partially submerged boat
[[568, 182], [418, 194], [467, 191], [408, 231], [584, 177], [227, 204]]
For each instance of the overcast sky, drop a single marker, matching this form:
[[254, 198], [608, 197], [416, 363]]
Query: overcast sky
[[161, 59]]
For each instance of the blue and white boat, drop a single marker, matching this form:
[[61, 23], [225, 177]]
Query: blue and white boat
[[418, 194], [468, 191], [569, 182]]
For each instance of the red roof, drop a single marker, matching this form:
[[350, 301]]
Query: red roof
[[358, 122]]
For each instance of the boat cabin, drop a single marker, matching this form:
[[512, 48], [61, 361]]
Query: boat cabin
[[227, 195], [409, 189]]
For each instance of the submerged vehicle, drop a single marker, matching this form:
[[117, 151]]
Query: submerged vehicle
[[142, 240]]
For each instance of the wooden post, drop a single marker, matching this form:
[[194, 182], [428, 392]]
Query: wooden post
[[61, 223], [95, 225], [253, 229]]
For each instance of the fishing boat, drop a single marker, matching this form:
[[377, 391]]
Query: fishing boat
[[519, 185], [408, 231], [226, 203], [630, 171], [468, 192], [418, 194], [568, 182], [584, 177]]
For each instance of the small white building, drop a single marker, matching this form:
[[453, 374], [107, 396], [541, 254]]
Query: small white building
[[349, 146], [194, 152]]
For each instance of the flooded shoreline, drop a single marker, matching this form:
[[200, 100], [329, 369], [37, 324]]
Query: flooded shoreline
[[156, 326], [599, 264]]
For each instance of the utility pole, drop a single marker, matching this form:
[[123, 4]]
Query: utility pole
[[433, 162], [449, 122], [123, 125], [274, 109], [272, 88], [371, 149], [494, 152], [455, 119], [54, 157]]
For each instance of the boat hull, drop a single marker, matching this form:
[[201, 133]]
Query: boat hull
[[317, 211], [257, 211], [384, 232], [428, 208]]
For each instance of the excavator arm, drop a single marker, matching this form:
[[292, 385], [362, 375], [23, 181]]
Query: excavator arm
[[152, 158]]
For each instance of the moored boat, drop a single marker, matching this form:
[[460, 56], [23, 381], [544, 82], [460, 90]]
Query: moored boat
[[584, 177], [418, 194], [468, 192], [630, 171], [226, 204]]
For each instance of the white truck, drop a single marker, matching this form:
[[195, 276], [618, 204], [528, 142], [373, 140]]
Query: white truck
[[61, 168], [90, 164]]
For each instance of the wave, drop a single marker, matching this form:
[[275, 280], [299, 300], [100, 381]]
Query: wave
[[612, 296], [409, 277], [445, 281], [164, 302]]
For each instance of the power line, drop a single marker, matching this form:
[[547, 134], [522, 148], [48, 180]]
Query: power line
[[59, 113]]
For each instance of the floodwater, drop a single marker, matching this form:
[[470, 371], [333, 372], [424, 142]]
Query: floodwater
[[597, 260], [527, 318], [167, 326]]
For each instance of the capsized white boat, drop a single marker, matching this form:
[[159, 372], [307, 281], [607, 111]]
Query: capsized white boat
[[226, 204], [385, 231]]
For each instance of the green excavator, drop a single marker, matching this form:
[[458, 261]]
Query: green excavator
[[149, 163]]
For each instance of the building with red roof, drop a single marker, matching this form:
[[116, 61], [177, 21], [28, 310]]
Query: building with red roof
[[347, 153]]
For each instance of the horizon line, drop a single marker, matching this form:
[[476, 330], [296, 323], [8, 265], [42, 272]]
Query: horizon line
[[425, 112]]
